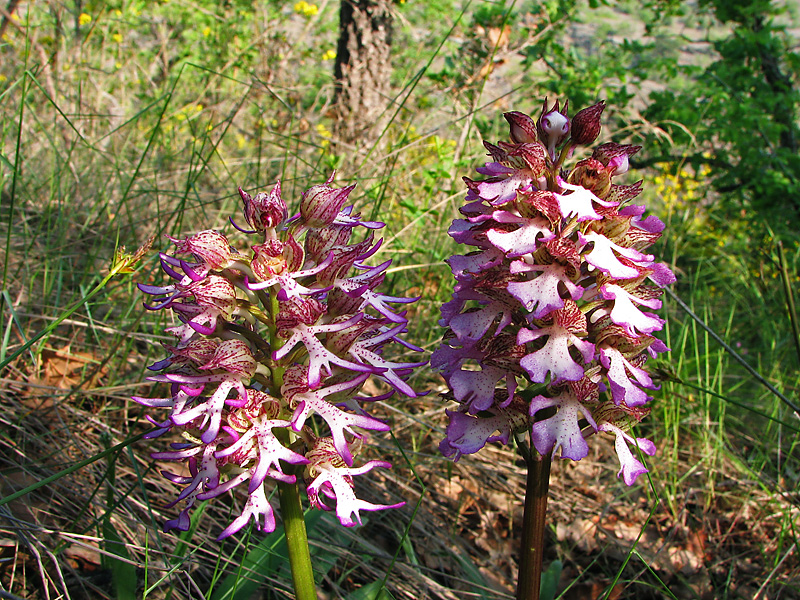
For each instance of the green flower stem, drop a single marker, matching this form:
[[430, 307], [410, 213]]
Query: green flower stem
[[533, 527], [275, 343], [294, 524], [297, 540]]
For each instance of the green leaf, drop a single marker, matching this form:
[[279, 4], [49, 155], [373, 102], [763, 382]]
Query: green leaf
[[472, 574], [549, 584], [123, 571]]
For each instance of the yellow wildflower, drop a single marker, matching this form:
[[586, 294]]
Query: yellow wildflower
[[323, 131], [329, 55], [306, 9], [84, 19], [206, 31], [325, 134]]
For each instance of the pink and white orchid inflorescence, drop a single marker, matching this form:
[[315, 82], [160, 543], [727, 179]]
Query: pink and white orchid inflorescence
[[556, 294], [272, 349]]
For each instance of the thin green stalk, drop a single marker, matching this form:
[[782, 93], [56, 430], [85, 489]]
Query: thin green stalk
[[533, 527], [294, 524], [297, 541], [124, 264], [753, 372], [15, 172]]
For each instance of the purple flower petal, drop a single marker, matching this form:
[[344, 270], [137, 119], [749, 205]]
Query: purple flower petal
[[630, 467], [562, 430]]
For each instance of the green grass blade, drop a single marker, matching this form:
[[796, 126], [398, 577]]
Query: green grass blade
[[371, 591], [260, 564]]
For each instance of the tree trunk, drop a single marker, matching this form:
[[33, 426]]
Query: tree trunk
[[363, 69]]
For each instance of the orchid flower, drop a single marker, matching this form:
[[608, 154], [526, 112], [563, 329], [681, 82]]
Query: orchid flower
[[272, 347], [559, 265]]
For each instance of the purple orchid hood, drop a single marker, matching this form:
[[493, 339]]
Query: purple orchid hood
[[552, 307], [273, 346]]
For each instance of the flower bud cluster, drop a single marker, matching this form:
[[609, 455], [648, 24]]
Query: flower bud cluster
[[555, 296], [273, 346]]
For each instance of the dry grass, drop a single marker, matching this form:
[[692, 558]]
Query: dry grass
[[462, 518]]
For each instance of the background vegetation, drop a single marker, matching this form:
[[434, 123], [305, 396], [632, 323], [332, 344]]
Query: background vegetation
[[123, 119]]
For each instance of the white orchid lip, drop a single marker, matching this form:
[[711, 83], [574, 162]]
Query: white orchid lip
[[553, 291], [300, 315]]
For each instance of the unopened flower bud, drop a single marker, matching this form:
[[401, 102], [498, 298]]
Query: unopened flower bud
[[210, 246], [265, 211], [615, 156], [553, 127], [523, 128], [586, 124], [322, 203]]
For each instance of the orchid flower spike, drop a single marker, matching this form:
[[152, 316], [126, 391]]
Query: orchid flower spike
[[273, 345], [554, 293]]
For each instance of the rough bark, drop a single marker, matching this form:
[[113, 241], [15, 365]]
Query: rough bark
[[363, 69]]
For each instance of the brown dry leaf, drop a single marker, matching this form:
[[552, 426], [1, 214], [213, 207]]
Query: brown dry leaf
[[451, 489], [581, 532], [65, 369], [31, 508], [683, 561], [627, 532], [83, 558], [696, 543], [499, 38]]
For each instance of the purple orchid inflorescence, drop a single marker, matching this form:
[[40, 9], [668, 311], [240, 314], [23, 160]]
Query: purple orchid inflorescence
[[549, 326], [273, 346]]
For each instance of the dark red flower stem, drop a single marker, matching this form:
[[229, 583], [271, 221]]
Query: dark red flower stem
[[533, 527]]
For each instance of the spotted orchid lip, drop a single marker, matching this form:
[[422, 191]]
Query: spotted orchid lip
[[300, 316]]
